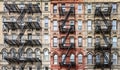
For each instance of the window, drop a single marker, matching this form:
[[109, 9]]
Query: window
[[29, 36], [89, 59], [29, 53], [46, 21], [97, 58], [71, 22], [89, 25], [79, 25], [55, 25], [12, 52], [63, 7], [63, 56], [114, 58], [79, 41], [106, 58], [54, 8], [45, 68], [46, 7], [72, 58], [79, 8], [114, 25], [21, 6], [37, 53], [89, 8], [97, 39], [4, 53], [14, 36], [55, 42], [46, 55], [80, 57], [71, 39], [46, 37], [114, 44], [114, 8], [89, 42], [55, 59]]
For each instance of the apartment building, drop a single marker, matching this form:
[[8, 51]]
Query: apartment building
[[59, 35], [102, 37], [24, 30], [67, 52]]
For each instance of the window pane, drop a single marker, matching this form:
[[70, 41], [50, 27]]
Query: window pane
[[55, 25], [89, 42], [55, 8], [72, 58], [114, 42], [55, 42], [89, 59], [46, 21], [89, 25], [79, 41], [79, 25], [55, 59], [79, 8], [114, 24], [114, 58], [80, 58], [89, 8]]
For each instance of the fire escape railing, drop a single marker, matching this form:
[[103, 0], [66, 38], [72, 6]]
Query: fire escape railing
[[103, 32], [19, 24], [66, 29]]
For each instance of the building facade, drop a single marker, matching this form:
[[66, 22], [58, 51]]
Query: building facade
[[102, 37], [59, 35], [67, 52], [24, 35]]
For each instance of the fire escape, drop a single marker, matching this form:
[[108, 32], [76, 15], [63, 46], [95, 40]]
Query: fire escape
[[66, 29], [19, 24], [104, 61]]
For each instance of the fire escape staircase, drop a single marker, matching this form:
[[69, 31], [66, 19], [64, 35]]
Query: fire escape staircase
[[100, 48], [71, 45], [19, 59]]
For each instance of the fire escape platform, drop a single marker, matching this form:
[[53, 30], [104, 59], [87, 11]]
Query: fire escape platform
[[65, 30], [67, 45], [33, 25], [101, 65], [11, 25], [19, 60], [68, 64], [35, 42], [106, 13]]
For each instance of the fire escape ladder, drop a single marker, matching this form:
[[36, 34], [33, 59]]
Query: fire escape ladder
[[67, 35], [63, 24], [106, 55], [67, 53], [104, 37], [105, 20], [69, 66]]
